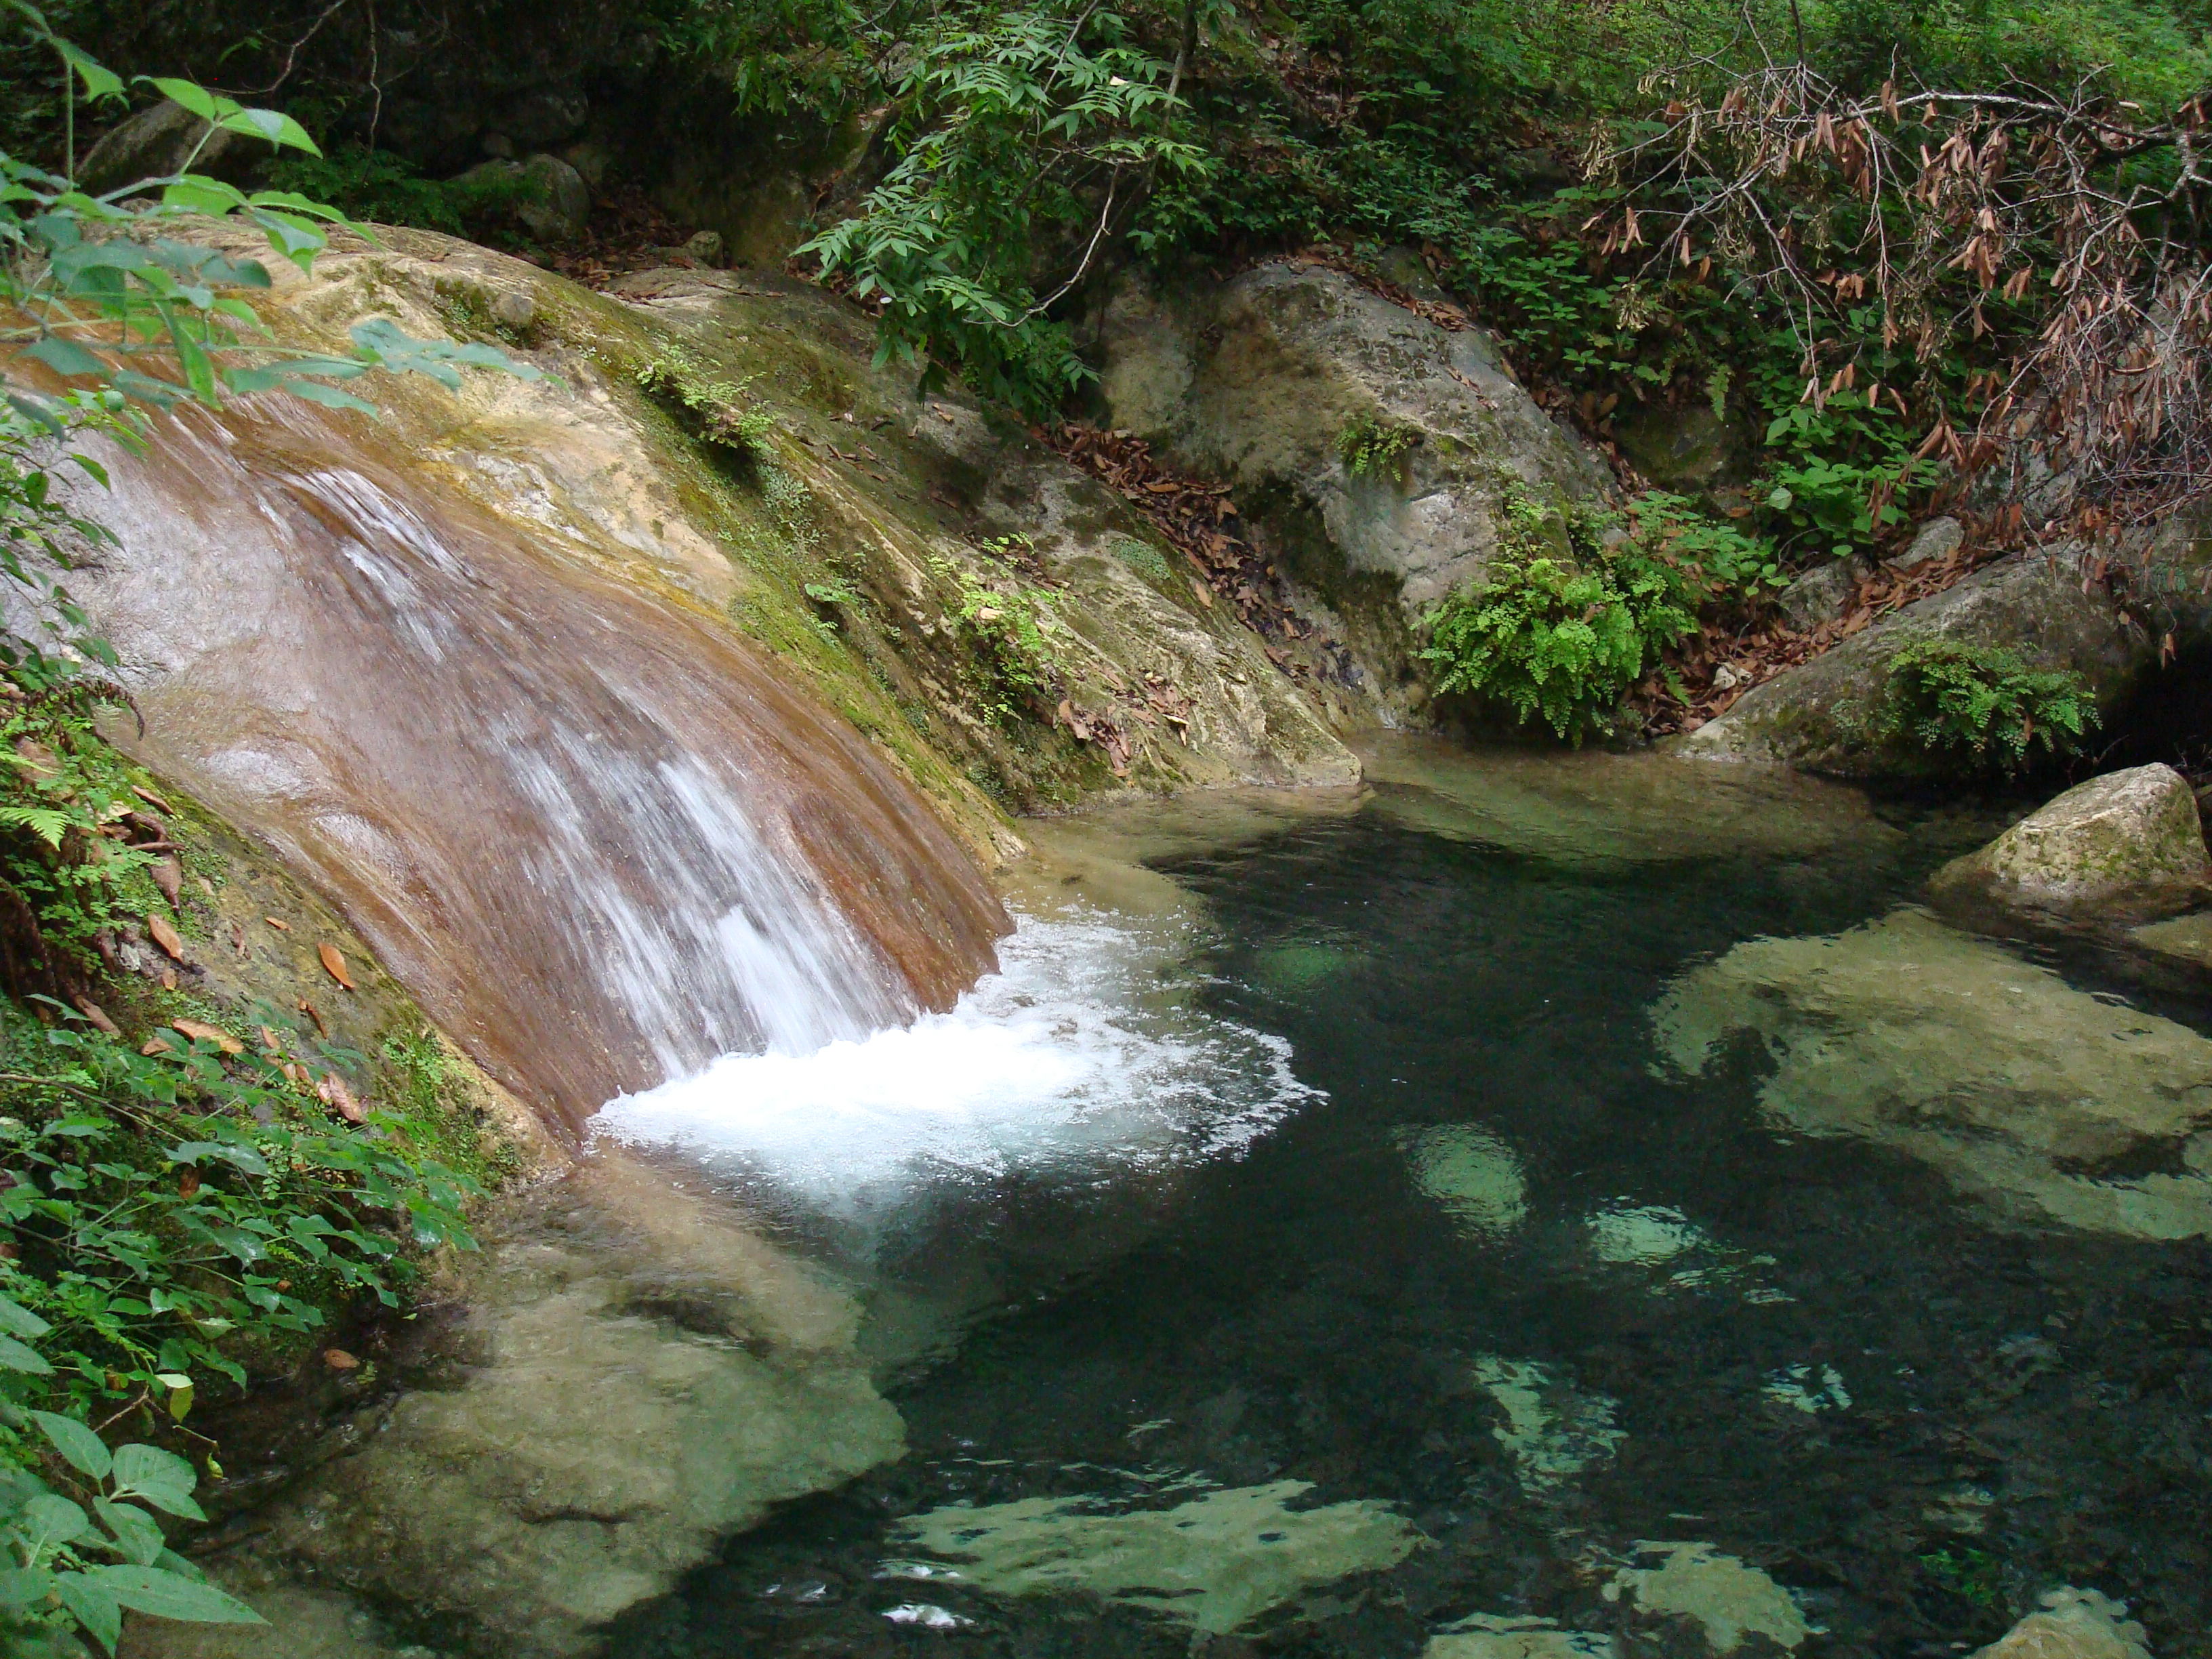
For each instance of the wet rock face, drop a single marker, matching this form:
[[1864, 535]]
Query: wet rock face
[[1825, 715], [2049, 1104], [2127, 841], [1258, 383]]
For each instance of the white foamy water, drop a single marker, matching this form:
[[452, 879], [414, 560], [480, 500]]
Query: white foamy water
[[1081, 1057]]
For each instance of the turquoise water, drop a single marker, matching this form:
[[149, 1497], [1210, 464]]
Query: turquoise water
[[1517, 1296]]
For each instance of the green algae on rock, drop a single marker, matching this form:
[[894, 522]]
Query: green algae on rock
[[1213, 1563], [2017, 1087], [1728, 1599]]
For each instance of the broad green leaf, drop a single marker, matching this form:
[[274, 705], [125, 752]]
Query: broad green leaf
[[136, 1532], [74, 1441], [277, 127], [161, 1478], [19, 1321], [95, 1606], [15, 1357], [100, 81], [329, 397], [171, 1595], [49, 1522], [195, 194], [24, 1587], [64, 356], [193, 96]]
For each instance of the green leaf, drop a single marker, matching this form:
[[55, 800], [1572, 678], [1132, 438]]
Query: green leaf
[[277, 127], [194, 194], [65, 357], [171, 1595], [17, 1320], [193, 96], [49, 1521], [93, 1603], [136, 1532], [100, 81], [15, 1357], [74, 1442], [24, 1587], [161, 1478]]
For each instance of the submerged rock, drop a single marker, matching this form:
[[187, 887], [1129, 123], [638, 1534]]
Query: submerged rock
[[1552, 1430], [1259, 382], [2073, 1624], [1489, 1636], [1472, 1173], [2127, 840], [2044, 1100], [1213, 1563], [1728, 1599]]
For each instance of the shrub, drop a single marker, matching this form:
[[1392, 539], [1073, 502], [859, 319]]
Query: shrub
[[1982, 704], [1561, 634]]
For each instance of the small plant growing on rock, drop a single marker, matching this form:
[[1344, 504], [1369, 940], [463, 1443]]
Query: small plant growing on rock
[[1373, 448], [1983, 705], [1559, 633], [716, 411]]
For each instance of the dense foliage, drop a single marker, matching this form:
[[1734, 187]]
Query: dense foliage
[[1565, 622], [177, 1212]]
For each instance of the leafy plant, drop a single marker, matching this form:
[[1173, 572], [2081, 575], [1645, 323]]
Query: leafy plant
[[54, 1579], [1558, 633], [1011, 126], [1012, 660], [1983, 704], [1370, 448], [716, 411]]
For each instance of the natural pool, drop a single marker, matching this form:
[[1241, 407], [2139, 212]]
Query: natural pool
[[1516, 1304]]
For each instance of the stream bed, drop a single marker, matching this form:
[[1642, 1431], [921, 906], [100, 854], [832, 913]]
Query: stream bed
[[1459, 1251]]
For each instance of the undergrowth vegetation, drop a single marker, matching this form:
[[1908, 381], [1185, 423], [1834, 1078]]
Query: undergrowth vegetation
[[1983, 706], [1565, 623]]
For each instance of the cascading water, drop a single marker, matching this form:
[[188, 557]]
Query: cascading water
[[590, 831]]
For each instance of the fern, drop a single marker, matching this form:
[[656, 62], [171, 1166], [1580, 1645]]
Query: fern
[[1983, 704]]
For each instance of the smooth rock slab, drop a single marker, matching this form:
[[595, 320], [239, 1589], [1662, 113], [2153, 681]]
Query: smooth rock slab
[[1213, 1563], [2128, 839], [1726, 1597], [1994, 1071], [2073, 1625]]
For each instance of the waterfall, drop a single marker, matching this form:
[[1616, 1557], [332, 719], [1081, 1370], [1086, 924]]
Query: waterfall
[[587, 827]]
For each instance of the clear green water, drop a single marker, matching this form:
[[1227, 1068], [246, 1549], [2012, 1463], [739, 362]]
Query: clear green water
[[1818, 1356]]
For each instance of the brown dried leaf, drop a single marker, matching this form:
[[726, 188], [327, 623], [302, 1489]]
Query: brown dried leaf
[[165, 935], [334, 965], [339, 1360], [169, 877], [93, 1012], [200, 1031], [157, 1045], [281, 926]]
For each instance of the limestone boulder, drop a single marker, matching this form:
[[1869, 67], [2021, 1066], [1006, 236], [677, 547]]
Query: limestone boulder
[[2127, 841], [1825, 715], [1263, 381], [545, 195]]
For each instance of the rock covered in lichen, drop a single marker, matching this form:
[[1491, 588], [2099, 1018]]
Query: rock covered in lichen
[[2128, 840], [1728, 1599]]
